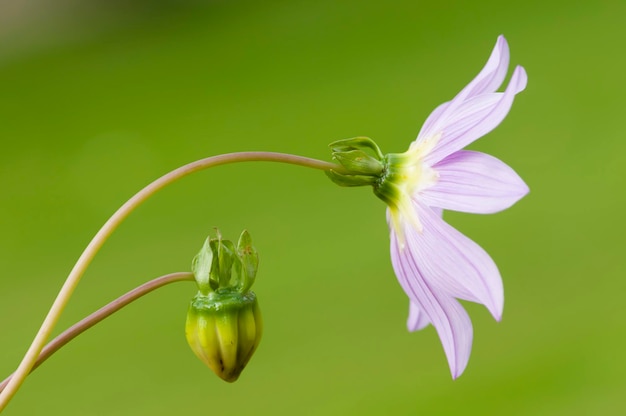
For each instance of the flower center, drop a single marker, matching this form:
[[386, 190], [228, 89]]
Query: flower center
[[403, 177]]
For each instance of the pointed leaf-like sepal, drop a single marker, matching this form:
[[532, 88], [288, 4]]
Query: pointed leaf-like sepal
[[224, 254], [213, 266], [201, 267], [355, 143], [249, 261]]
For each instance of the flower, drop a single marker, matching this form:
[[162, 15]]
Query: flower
[[434, 263]]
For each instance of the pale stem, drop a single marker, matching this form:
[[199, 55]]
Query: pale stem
[[112, 223], [102, 313]]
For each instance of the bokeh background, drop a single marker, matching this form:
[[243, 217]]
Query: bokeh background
[[99, 98]]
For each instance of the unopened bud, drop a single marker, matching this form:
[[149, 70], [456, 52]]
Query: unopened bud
[[224, 324]]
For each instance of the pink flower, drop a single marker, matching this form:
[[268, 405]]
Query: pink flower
[[434, 263]]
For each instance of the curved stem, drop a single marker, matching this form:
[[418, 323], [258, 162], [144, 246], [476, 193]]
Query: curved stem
[[112, 223], [102, 313]]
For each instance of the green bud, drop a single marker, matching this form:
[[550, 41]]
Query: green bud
[[224, 321], [223, 330]]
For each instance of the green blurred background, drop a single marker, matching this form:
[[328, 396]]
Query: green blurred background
[[99, 98]]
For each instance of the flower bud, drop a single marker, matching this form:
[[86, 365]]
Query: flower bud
[[224, 324], [224, 329]]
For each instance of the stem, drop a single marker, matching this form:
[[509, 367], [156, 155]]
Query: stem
[[112, 223], [102, 313]]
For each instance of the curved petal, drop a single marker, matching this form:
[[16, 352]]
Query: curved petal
[[454, 263], [431, 123], [499, 60], [488, 80], [417, 319], [447, 315], [473, 119], [474, 182]]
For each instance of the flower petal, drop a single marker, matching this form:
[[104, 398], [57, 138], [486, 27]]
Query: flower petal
[[454, 263], [431, 123], [438, 211], [446, 313], [474, 182], [488, 80], [417, 319], [473, 119]]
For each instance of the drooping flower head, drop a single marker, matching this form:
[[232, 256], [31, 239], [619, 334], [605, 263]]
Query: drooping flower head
[[434, 263]]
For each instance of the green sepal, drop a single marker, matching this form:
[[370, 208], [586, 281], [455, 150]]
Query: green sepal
[[360, 167], [350, 180], [249, 260], [355, 143], [214, 265], [201, 267], [224, 253], [358, 161]]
